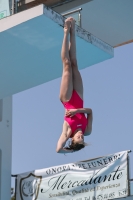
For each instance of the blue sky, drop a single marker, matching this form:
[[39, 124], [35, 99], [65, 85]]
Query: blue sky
[[38, 116]]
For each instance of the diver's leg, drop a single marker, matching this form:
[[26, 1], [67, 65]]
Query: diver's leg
[[77, 79], [66, 87]]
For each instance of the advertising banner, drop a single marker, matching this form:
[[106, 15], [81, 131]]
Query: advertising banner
[[96, 179], [4, 8]]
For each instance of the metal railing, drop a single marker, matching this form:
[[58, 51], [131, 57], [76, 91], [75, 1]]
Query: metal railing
[[74, 11], [71, 12]]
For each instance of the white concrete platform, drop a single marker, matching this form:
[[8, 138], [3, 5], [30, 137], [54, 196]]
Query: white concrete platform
[[109, 20]]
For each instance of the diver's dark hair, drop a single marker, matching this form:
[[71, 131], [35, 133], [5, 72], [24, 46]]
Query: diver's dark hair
[[75, 146]]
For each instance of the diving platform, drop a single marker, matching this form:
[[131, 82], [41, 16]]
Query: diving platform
[[30, 49]]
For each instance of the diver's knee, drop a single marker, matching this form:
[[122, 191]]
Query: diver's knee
[[74, 62], [66, 63]]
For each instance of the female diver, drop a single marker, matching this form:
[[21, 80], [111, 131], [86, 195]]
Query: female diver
[[76, 125]]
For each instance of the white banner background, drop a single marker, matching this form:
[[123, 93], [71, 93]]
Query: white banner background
[[97, 179], [4, 8]]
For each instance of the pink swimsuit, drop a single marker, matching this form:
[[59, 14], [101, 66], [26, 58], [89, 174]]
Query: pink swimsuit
[[79, 120]]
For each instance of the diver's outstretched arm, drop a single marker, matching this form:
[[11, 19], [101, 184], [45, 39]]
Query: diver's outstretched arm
[[62, 140]]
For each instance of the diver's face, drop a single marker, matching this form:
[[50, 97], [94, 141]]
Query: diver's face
[[78, 137]]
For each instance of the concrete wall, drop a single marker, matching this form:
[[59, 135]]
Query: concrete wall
[[5, 147], [131, 188]]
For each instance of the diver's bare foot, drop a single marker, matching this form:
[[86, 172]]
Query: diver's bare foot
[[67, 26]]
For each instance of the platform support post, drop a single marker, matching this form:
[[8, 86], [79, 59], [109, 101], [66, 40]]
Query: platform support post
[[5, 147]]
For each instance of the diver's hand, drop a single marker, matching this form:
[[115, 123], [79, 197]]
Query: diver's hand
[[70, 112]]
